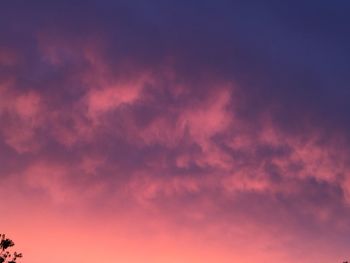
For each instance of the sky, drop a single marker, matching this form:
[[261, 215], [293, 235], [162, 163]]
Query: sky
[[175, 131]]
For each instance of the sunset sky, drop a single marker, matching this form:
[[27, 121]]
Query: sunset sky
[[175, 131]]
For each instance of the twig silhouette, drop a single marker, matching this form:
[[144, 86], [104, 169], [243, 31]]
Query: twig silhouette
[[5, 255]]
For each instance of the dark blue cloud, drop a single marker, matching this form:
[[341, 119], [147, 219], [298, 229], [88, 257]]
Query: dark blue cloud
[[291, 56]]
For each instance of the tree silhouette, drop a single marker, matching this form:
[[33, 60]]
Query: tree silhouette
[[6, 256]]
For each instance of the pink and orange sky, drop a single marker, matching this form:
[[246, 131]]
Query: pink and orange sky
[[175, 131]]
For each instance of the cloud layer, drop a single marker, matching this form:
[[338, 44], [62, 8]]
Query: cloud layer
[[211, 132]]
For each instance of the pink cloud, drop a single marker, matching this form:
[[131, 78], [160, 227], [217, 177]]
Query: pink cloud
[[142, 151], [106, 99], [23, 112]]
